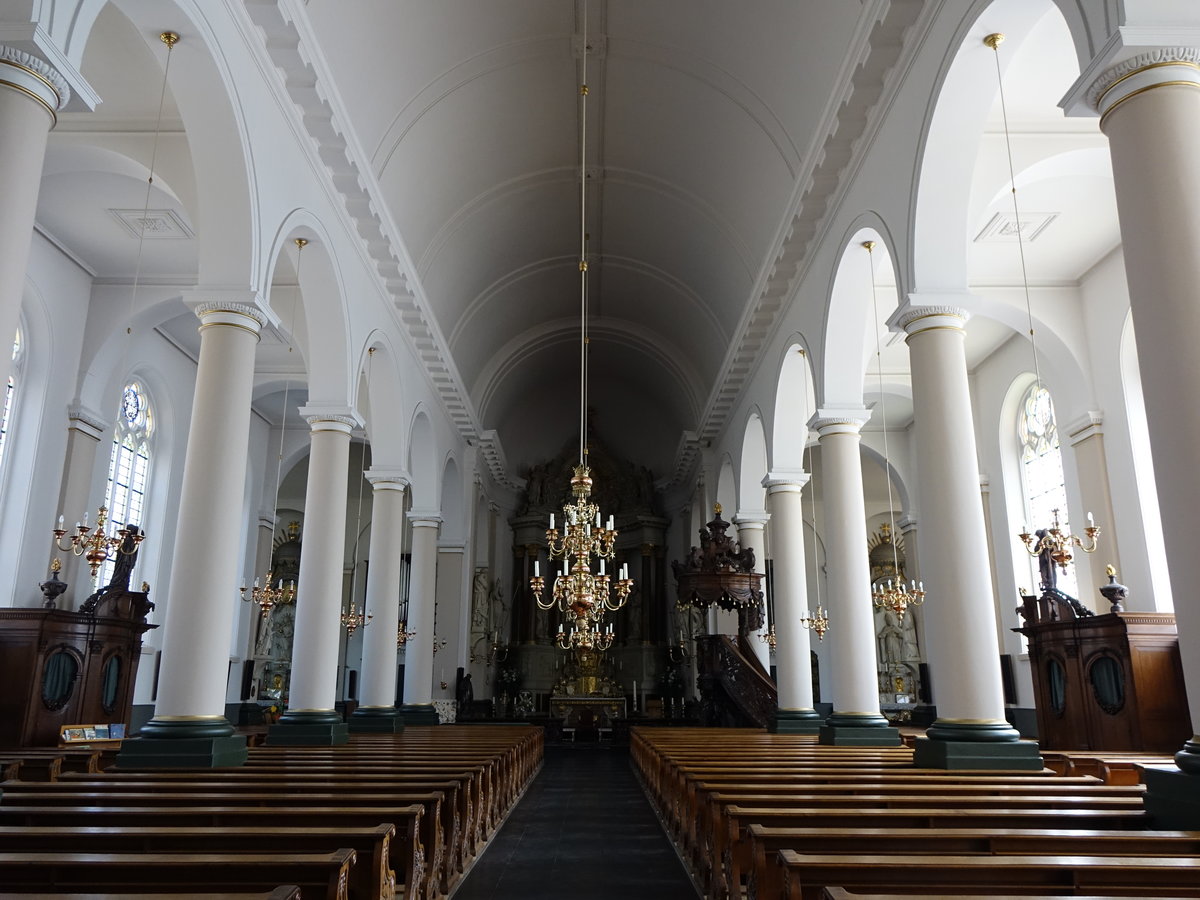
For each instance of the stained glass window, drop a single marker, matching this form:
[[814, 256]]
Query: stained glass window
[[1042, 473], [129, 465]]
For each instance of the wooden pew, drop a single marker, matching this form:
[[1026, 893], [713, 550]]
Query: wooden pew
[[283, 892], [766, 877], [806, 876], [318, 875], [371, 878], [837, 893], [407, 851]]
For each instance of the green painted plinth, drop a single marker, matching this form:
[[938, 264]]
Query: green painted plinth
[[420, 714], [795, 721], [182, 752], [1023, 756], [308, 728], [859, 736], [1172, 798], [376, 720], [1188, 758]]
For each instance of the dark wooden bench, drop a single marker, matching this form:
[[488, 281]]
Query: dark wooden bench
[[765, 876], [805, 876], [371, 878], [318, 875], [283, 892], [837, 893], [406, 851]]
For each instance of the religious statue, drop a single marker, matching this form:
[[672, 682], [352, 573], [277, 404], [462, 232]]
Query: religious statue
[[465, 694]]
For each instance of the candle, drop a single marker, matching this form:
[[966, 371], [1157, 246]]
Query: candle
[[60, 522], [537, 567], [1091, 521], [85, 515], [551, 521], [560, 628], [597, 518], [602, 566], [610, 523], [256, 582]]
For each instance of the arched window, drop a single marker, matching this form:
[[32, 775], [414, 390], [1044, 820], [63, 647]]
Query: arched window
[[9, 394], [1042, 472], [129, 465]]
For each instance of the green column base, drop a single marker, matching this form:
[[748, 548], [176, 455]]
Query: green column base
[[419, 714], [202, 743], [1024, 756], [842, 730], [308, 728], [376, 720], [795, 721], [1172, 799], [1188, 758]]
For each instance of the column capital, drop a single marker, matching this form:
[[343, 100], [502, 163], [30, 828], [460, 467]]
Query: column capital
[[784, 481], [267, 520], [87, 421], [912, 318], [331, 418], [751, 519], [839, 421], [424, 518], [34, 77], [906, 522], [1150, 69], [247, 305], [382, 479], [1090, 424]]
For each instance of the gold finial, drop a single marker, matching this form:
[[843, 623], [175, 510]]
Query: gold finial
[[716, 509], [869, 245], [1110, 571], [583, 265], [583, 91], [994, 40], [371, 351], [170, 38], [145, 587], [300, 243], [56, 566]]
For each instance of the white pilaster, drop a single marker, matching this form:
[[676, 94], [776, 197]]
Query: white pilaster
[[851, 619], [418, 653], [1150, 111], [204, 573], [960, 618], [793, 670], [383, 587], [319, 587], [751, 528]]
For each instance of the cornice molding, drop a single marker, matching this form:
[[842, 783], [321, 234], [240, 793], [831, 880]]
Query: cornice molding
[[42, 69], [1162, 57], [216, 309], [915, 319], [92, 421]]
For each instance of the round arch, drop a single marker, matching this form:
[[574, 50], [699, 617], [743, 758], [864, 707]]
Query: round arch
[[794, 405], [752, 496], [383, 405], [423, 463]]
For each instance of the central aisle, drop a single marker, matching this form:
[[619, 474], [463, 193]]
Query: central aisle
[[583, 830]]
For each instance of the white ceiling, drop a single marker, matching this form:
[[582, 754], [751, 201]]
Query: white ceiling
[[696, 135]]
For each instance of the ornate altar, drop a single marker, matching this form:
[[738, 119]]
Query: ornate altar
[[585, 692]]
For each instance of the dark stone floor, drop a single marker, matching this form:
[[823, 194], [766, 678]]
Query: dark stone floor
[[584, 831]]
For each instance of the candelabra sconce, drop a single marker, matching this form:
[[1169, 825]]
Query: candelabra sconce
[[585, 635], [817, 622], [678, 653], [353, 619], [94, 544], [768, 638], [438, 644], [268, 597], [898, 596], [495, 652], [1058, 545], [403, 635]]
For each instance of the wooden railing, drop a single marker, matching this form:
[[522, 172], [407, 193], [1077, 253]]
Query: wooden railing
[[734, 689]]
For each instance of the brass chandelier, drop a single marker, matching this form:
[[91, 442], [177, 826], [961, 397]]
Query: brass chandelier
[[583, 597]]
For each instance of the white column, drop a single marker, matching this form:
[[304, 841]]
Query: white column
[[418, 652], [85, 430], [962, 646], [383, 592], [793, 665], [1150, 111], [851, 617], [204, 576], [751, 528], [318, 636], [31, 93]]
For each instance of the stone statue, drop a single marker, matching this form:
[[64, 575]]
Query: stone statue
[[466, 693]]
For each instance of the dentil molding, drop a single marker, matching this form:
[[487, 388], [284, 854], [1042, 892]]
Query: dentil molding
[[1159, 56], [40, 67]]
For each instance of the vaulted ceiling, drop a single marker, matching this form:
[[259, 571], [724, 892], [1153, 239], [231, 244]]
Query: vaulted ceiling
[[698, 119]]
